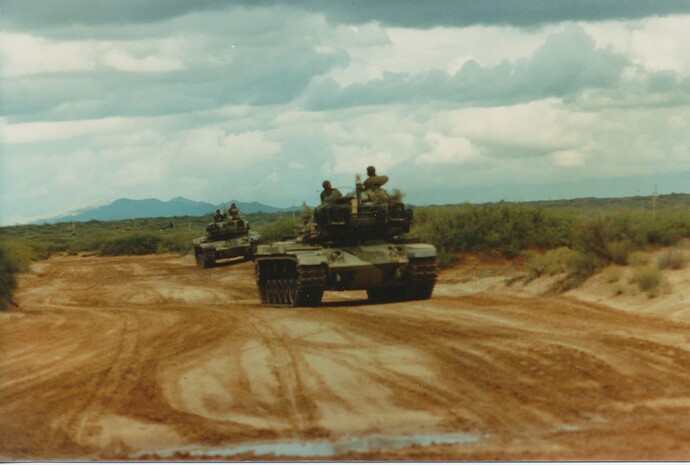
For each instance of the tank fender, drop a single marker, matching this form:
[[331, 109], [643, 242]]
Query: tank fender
[[311, 260], [421, 251]]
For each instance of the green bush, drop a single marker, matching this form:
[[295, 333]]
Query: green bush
[[135, 244]]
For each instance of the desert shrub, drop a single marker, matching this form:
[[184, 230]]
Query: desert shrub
[[668, 227], [612, 274], [673, 259], [19, 254], [15, 257], [582, 266], [638, 258], [554, 261], [8, 281], [134, 244], [647, 279], [619, 251], [611, 237], [505, 228]]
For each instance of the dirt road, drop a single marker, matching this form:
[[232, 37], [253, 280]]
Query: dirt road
[[153, 358]]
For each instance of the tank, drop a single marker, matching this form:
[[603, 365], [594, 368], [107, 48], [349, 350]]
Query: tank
[[227, 239], [357, 242]]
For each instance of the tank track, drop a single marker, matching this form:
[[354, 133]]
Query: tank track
[[419, 283], [422, 274], [282, 283], [205, 259]]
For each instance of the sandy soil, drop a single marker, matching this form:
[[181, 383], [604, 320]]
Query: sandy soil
[[153, 358]]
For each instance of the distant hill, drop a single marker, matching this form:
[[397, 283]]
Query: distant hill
[[123, 209]]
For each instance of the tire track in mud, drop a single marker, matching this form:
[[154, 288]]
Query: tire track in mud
[[516, 370], [84, 424], [286, 368]]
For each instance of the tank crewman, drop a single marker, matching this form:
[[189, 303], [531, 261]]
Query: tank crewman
[[374, 182], [218, 217], [233, 211], [372, 186], [328, 194]]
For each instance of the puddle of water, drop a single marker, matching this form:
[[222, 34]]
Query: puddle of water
[[326, 448]]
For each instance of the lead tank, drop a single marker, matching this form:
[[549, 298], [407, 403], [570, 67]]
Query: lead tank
[[356, 242], [230, 238]]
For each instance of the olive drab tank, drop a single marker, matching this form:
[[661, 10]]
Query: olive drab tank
[[356, 242], [225, 239]]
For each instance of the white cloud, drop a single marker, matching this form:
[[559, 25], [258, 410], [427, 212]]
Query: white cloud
[[43, 131], [544, 125], [448, 150], [219, 149], [654, 43], [351, 159], [142, 171], [676, 122], [568, 158], [26, 55], [407, 50], [123, 61]]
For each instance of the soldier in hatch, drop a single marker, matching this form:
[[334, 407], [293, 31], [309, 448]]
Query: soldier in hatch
[[218, 217], [233, 211], [328, 194], [372, 186]]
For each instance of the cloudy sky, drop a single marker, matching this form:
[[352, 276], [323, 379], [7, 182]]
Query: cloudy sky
[[260, 100]]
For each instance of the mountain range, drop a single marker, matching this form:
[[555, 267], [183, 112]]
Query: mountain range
[[123, 209]]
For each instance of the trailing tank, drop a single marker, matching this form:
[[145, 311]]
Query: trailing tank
[[357, 242], [230, 238]]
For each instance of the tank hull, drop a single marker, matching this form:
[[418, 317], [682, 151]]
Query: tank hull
[[387, 271], [208, 253]]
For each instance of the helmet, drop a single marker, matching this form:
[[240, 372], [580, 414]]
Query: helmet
[[371, 171], [326, 184]]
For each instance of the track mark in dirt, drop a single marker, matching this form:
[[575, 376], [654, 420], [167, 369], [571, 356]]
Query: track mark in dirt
[[189, 359]]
